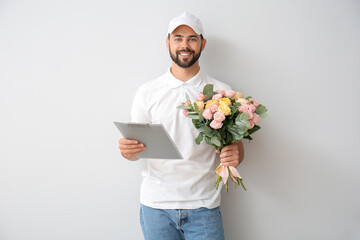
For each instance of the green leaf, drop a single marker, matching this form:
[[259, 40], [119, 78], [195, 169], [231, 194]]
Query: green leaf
[[208, 89], [199, 138], [215, 141], [193, 116], [208, 96], [187, 97], [198, 125], [261, 109], [248, 137], [201, 117], [208, 140], [254, 129], [236, 132], [196, 107], [208, 131], [183, 107], [264, 115], [242, 121], [243, 117]]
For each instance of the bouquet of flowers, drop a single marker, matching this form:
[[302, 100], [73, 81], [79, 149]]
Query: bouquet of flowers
[[224, 117]]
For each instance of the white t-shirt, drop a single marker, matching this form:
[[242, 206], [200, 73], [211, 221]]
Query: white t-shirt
[[177, 184]]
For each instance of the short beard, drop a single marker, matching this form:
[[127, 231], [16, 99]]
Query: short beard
[[185, 64]]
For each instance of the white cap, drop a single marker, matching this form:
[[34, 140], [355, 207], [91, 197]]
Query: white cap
[[186, 19]]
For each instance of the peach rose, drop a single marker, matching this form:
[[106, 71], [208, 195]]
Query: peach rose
[[215, 124], [238, 95], [207, 114], [242, 101], [185, 112], [211, 102], [200, 104]]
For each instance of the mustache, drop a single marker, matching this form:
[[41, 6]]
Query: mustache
[[185, 50]]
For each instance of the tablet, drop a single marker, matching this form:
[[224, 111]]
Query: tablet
[[159, 144]]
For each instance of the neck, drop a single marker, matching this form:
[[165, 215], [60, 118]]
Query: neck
[[184, 74]]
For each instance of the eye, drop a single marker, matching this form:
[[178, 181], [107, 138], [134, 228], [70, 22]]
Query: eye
[[177, 39], [193, 39]]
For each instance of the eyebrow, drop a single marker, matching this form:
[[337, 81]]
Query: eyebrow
[[191, 36]]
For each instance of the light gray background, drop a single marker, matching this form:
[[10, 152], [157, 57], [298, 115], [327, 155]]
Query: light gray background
[[70, 68]]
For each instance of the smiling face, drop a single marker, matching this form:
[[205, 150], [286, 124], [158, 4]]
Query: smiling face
[[185, 46]]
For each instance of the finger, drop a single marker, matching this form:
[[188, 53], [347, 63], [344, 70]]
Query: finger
[[127, 141], [229, 154], [131, 146], [133, 151]]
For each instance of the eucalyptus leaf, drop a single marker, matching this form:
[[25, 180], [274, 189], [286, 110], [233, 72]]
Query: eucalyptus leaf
[[208, 140], [187, 97], [196, 107], [261, 109], [254, 129], [209, 131], [264, 115], [199, 138], [208, 96], [215, 141], [183, 107], [193, 116], [201, 117], [208, 89]]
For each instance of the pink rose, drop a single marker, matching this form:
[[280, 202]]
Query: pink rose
[[207, 114], [185, 112], [252, 108], [256, 118], [250, 115], [215, 124], [213, 108], [255, 103], [247, 108], [229, 93], [200, 97], [251, 124], [187, 103], [222, 92], [244, 108], [217, 97], [219, 117]]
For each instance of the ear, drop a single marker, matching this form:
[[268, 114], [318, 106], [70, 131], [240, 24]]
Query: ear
[[167, 43], [203, 44]]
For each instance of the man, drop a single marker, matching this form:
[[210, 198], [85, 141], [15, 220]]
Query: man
[[178, 197]]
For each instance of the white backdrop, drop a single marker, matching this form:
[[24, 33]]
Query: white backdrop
[[70, 68]]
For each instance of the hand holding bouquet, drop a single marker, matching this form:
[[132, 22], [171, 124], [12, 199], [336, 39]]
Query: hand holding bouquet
[[223, 118]]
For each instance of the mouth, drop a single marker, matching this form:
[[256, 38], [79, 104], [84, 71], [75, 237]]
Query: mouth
[[185, 54]]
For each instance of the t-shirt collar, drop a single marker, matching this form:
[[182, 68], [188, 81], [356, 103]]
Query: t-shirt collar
[[174, 82]]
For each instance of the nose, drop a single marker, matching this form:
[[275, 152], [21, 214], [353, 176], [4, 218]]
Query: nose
[[185, 45]]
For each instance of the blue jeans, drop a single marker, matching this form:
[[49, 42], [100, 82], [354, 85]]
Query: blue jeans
[[180, 224]]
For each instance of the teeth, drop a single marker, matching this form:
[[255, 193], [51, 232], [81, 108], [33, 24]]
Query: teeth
[[184, 54]]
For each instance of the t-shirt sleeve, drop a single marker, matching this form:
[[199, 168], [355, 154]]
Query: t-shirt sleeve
[[139, 112]]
